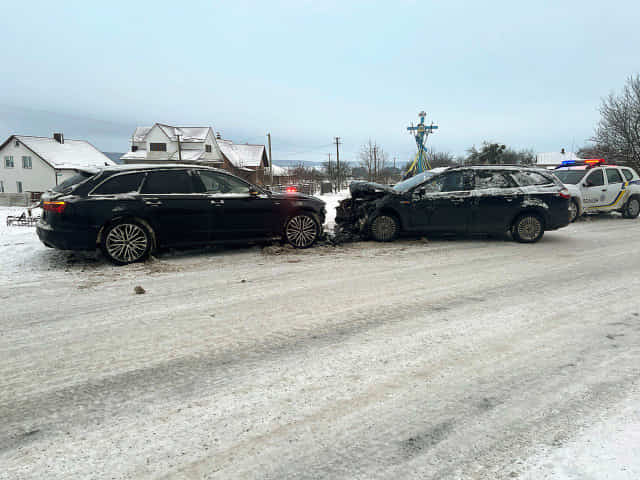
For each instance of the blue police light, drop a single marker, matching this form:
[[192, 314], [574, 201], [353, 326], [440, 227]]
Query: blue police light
[[566, 163]]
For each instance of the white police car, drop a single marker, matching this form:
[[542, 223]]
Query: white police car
[[596, 186]]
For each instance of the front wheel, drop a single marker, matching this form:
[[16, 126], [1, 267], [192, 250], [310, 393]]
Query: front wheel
[[384, 228], [126, 241], [632, 208], [528, 228], [302, 230]]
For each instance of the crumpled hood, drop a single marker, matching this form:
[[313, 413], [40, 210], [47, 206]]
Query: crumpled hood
[[362, 189], [574, 190]]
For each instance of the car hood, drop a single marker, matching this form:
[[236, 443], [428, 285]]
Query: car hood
[[369, 189], [294, 196]]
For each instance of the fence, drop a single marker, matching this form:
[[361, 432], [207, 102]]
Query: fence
[[25, 199]]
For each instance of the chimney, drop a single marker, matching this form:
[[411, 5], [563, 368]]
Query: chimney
[[562, 151], [218, 137], [58, 137]]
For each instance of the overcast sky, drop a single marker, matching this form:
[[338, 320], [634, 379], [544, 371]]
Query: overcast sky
[[528, 74]]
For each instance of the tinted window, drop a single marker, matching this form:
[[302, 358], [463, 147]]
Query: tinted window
[[409, 183], [613, 176], [628, 174], [128, 183], [458, 180], [525, 178], [492, 179], [168, 181], [70, 182], [595, 179], [219, 183], [572, 177]]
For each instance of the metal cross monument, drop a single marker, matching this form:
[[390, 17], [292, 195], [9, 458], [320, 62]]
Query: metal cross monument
[[420, 132]]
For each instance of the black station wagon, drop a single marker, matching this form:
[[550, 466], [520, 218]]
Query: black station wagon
[[465, 200], [127, 211]]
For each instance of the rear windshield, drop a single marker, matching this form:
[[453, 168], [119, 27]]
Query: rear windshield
[[570, 176], [70, 182], [526, 178]]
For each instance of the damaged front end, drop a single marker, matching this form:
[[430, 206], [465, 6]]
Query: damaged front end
[[353, 213]]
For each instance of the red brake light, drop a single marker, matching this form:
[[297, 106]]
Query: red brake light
[[564, 193], [291, 189], [55, 207], [594, 161]]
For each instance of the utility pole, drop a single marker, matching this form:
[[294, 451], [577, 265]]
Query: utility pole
[[179, 149], [270, 158], [338, 163]]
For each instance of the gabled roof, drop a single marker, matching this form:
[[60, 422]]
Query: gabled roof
[[242, 155], [187, 134], [140, 133], [70, 154]]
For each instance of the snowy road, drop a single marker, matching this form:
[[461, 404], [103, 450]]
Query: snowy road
[[441, 359]]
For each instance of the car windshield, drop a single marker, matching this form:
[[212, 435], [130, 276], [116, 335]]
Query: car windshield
[[570, 176], [71, 181], [409, 183]]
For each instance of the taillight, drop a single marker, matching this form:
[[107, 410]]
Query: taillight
[[564, 193], [292, 189], [55, 207]]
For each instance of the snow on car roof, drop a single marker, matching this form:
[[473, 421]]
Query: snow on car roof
[[68, 155]]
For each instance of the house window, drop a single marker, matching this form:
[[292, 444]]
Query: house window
[[26, 162], [158, 147], [1, 186], [207, 148], [134, 148], [17, 143], [8, 161], [19, 186]]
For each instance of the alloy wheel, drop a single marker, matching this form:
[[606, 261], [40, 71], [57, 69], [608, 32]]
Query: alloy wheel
[[384, 228], [529, 228], [301, 231], [633, 208], [126, 242]]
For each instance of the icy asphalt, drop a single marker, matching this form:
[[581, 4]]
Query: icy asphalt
[[439, 359]]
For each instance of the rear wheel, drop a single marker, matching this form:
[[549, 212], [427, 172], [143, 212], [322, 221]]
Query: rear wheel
[[384, 228], [632, 208], [126, 241], [573, 211], [302, 230], [528, 228]]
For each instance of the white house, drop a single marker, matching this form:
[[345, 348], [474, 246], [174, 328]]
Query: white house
[[36, 164], [175, 144], [554, 159]]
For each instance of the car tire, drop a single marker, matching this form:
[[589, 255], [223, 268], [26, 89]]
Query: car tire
[[126, 241], [384, 228], [632, 208], [528, 228], [302, 230], [573, 210]]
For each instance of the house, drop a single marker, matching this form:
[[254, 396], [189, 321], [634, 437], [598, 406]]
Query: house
[[247, 161], [166, 143], [554, 159], [36, 164]]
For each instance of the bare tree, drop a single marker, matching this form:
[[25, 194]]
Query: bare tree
[[617, 135], [334, 175], [374, 160]]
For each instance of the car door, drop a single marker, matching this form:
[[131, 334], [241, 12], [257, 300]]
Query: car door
[[178, 212], [442, 203], [594, 189], [496, 200], [615, 188], [238, 210]]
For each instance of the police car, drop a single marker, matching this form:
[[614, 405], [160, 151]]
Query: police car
[[596, 186]]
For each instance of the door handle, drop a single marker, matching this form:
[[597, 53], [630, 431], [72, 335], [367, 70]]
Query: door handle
[[458, 200], [153, 203], [217, 202], [604, 189]]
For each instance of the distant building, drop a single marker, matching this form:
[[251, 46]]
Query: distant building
[[247, 161], [166, 143], [36, 164], [554, 159]]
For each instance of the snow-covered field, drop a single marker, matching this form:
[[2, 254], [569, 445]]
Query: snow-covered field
[[443, 359]]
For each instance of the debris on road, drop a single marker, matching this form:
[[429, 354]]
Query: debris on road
[[139, 290]]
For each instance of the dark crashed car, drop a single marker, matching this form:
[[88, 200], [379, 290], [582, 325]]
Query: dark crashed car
[[128, 211], [462, 200]]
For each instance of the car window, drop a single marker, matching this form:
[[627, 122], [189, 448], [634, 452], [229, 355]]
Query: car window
[[572, 177], [168, 181], [215, 182], [628, 174], [525, 178], [456, 181], [595, 179], [72, 181], [128, 183], [492, 179], [613, 175]]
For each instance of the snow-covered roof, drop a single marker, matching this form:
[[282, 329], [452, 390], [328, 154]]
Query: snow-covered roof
[[70, 154], [140, 133], [278, 171], [554, 158], [187, 134], [137, 155], [242, 155]]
